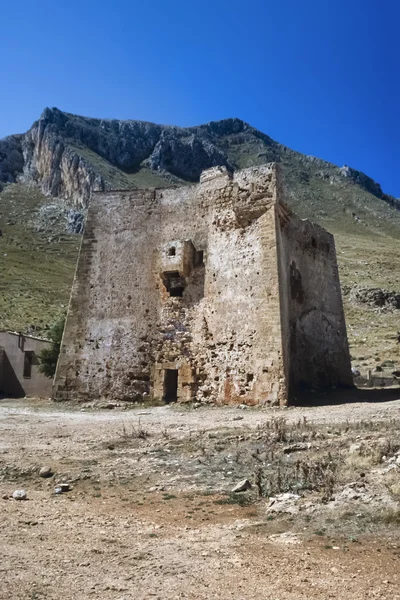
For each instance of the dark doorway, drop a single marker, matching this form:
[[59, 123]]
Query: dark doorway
[[174, 283], [10, 385], [170, 385], [28, 360]]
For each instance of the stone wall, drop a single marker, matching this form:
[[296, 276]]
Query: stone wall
[[182, 294], [315, 338], [124, 329]]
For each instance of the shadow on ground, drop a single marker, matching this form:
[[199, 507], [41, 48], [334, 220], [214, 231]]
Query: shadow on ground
[[348, 396]]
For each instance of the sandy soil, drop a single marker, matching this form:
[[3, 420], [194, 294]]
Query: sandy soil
[[147, 517]]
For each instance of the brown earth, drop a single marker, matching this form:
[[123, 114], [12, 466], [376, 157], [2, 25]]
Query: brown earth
[[150, 513]]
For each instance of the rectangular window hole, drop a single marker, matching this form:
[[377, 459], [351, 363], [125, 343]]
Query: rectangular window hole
[[199, 258], [174, 283]]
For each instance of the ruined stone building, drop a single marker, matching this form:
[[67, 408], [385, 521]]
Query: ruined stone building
[[214, 292]]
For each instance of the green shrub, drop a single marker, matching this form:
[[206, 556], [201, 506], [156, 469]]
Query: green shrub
[[49, 356]]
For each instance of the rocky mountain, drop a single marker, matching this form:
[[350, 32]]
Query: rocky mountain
[[68, 156], [48, 174]]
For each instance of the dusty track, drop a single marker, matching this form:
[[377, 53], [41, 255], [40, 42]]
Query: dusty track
[[140, 525]]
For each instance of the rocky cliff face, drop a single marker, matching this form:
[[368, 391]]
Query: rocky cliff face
[[11, 158], [69, 156], [51, 162]]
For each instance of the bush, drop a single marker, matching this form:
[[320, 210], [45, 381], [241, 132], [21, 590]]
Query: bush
[[49, 356], [318, 475]]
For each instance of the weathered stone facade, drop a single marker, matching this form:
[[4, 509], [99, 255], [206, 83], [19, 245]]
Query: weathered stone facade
[[214, 292]]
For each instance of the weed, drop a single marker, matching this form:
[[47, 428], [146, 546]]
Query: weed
[[311, 475], [258, 478], [240, 499], [136, 432], [164, 433], [388, 517]]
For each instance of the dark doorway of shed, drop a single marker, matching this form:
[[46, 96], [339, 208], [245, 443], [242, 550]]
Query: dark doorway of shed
[[28, 361], [170, 385]]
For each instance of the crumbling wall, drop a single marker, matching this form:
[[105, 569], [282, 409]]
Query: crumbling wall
[[215, 287], [113, 309], [240, 359], [314, 331], [124, 329]]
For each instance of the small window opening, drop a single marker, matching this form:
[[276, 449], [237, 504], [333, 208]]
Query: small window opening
[[174, 283], [170, 385], [28, 360], [176, 292], [199, 258], [172, 251]]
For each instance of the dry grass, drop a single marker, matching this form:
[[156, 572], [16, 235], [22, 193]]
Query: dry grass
[[37, 262], [311, 475]]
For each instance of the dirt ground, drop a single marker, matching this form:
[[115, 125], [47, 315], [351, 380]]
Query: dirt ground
[[150, 513]]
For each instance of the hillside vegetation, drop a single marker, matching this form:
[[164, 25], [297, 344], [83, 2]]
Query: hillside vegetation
[[37, 259]]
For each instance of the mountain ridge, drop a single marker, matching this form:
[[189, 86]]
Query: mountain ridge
[[56, 154]]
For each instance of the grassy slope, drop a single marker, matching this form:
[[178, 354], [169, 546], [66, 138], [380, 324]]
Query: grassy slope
[[36, 267]]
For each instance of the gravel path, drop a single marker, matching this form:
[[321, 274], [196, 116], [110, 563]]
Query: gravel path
[[114, 537]]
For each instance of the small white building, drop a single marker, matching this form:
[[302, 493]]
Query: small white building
[[19, 366]]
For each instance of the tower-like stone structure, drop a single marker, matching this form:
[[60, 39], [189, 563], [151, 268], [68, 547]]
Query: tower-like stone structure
[[214, 292]]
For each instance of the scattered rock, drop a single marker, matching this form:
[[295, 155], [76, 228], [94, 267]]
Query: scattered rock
[[237, 418], [288, 537], [156, 488], [46, 472], [243, 486], [61, 488], [5, 496], [355, 449], [376, 297], [296, 448], [283, 503], [19, 495], [76, 221], [107, 405]]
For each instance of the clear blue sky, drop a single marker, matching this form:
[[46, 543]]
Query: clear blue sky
[[322, 77]]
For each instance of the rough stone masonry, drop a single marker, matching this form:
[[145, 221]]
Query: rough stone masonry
[[213, 292]]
